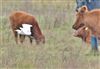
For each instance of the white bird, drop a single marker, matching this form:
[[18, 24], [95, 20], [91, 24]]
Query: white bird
[[24, 30]]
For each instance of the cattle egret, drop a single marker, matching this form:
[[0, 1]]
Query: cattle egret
[[24, 30]]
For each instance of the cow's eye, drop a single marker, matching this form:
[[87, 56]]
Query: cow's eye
[[81, 24]]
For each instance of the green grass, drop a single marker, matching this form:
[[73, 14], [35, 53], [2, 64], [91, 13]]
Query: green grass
[[61, 50]]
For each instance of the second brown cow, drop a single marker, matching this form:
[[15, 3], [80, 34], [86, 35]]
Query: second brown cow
[[91, 19]]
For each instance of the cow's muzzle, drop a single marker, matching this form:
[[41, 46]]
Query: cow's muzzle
[[76, 27]]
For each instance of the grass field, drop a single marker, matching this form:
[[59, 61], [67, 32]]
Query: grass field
[[61, 50]]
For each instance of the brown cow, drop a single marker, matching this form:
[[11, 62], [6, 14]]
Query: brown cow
[[18, 18], [84, 33], [91, 19]]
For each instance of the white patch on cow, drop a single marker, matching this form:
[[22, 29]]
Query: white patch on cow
[[25, 29]]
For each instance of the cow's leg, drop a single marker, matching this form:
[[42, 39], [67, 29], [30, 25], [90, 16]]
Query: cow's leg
[[14, 32], [22, 38], [31, 39], [16, 37]]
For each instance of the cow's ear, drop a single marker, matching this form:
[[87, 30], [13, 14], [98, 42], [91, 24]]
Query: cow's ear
[[83, 9]]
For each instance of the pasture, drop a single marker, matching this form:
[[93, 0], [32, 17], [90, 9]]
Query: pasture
[[61, 51]]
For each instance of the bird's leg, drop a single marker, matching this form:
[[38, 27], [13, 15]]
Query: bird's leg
[[31, 39], [22, 38]]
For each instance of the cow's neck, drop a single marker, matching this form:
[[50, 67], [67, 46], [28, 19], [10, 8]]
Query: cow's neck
[[37, 32]]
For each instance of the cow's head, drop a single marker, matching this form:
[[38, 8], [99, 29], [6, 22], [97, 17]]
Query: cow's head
[[40, 39], [80, 18]]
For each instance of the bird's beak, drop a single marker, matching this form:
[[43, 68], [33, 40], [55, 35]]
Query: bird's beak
[[21, 28]]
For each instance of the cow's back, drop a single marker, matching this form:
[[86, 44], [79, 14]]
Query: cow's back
[[18, 18]]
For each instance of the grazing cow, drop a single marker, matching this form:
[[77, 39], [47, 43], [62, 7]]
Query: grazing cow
[[84, 33], [91, 19], [18, 18]]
